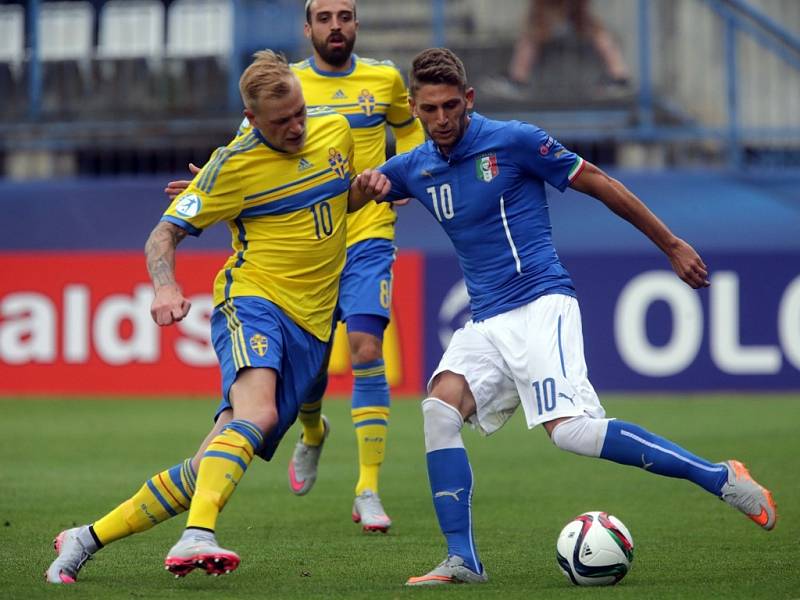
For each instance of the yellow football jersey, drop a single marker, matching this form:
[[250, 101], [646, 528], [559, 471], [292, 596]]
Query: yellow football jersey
[[371, 95], [286, 213]]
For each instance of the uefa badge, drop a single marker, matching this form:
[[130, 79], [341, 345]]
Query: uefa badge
[[486, 167], [367, 102], [188, 206], [259, 344], [337, 163]]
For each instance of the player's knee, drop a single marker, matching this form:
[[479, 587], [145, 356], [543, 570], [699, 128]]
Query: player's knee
[[443, 425], [452, 388], [365, 348], [367, 353], [264, 416], [265, 419], [582, 435]]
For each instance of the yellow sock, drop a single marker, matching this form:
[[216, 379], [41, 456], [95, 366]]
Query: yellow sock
[[223, 465], [163, 496], [311, 418], [371, 425]]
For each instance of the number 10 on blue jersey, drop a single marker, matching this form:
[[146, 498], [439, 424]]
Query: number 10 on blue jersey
[[442, 201]]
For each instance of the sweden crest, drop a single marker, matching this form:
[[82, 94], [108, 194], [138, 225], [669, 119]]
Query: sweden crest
[[259, 344], [337, 163], [367, 102]]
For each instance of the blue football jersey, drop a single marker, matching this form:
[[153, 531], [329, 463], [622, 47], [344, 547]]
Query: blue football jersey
[[489, 197]]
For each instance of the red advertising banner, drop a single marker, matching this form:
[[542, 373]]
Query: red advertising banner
[[79, 323]]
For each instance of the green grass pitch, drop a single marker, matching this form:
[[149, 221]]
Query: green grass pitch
[[67, 462]]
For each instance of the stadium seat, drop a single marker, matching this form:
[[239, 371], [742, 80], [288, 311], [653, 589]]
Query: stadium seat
[[199, 46], [12, 55], [200, 28], [65, 31], [131, 29], [130, 54], [12, 36]]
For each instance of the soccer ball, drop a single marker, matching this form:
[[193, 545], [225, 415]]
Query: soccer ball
[[595, 548]]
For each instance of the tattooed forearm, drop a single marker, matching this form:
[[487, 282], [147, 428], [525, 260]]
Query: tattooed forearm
[[159, 253]]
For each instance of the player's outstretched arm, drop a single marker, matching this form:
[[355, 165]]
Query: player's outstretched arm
[[368, 185], [686, 263], [169, 305], [176, 187]]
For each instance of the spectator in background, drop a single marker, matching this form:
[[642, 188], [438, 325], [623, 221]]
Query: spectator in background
[[546, 18]]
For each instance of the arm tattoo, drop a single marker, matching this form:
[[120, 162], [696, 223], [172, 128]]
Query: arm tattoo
[[159, 253]]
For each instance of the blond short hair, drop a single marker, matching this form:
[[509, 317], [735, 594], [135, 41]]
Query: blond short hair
[[268, 76]]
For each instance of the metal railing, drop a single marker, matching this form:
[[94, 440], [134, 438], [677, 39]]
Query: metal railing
[[676, 97]]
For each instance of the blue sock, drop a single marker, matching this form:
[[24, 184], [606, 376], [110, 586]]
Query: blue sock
[[629, 444], [450, 476], [370, 387]]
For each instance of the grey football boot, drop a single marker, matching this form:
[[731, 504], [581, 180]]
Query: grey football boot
[[451, 570], [743, 492], [304, 462]]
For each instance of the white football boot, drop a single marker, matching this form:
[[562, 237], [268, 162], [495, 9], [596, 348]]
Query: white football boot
[[72, 555], [199, 550], [368, 510]]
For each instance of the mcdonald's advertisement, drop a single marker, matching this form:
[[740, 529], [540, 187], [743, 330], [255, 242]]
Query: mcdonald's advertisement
[[78, 323]]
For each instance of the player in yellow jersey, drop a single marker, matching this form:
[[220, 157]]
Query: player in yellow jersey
[[283, 190], [371, 94]]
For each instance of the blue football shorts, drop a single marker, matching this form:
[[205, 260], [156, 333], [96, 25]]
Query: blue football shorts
[[365, 295], [366, 284], [249, 331]]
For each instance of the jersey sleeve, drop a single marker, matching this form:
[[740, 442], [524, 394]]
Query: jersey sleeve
[[396, 169], [214, 195], [407, 128], [544, 157]]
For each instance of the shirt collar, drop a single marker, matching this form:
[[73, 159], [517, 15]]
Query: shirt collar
[[318, 71], [264, 141]]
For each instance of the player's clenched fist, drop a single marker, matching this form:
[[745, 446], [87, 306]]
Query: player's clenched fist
[[374, 183], [370, 184], [169, 306]]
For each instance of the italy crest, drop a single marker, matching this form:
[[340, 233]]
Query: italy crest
[[486, 167]]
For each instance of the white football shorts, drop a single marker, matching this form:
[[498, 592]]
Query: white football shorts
[[531, 355]]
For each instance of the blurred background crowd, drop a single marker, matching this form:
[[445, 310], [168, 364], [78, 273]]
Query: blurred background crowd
[[106, 87]]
